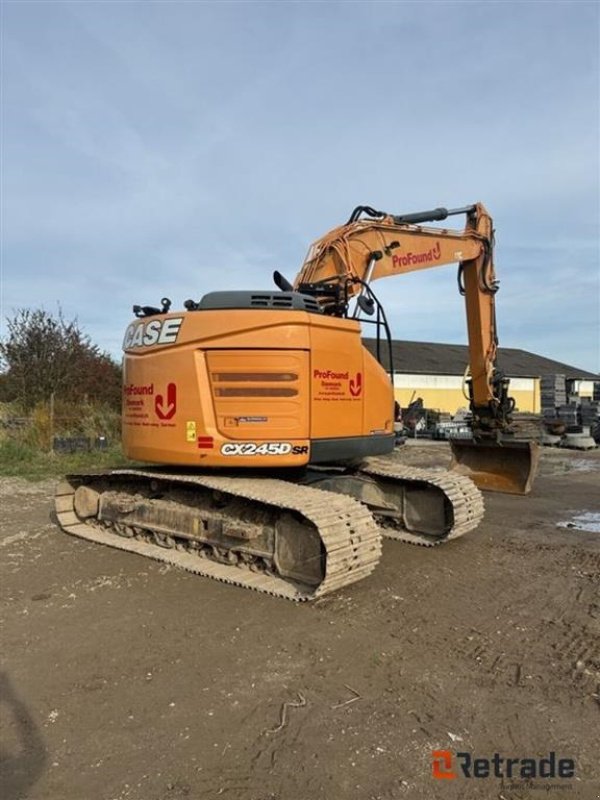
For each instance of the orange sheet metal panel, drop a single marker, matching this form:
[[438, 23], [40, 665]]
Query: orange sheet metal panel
[[162, 411], [260, 394], [222, 328], [168, 411], [197, 385], [337, 378]]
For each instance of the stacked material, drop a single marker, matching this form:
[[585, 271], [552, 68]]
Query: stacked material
[[568, 414], [569, 420], [595, 426], [590, 411], [526, 426], [553, 393], [452, 430]]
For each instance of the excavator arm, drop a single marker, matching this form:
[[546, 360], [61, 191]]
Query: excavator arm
[[372, 245]]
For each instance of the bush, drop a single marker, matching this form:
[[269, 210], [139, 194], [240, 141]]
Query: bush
[[55, 383], [44, 355]]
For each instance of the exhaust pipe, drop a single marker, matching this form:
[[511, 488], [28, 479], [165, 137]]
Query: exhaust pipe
[[509, 467]]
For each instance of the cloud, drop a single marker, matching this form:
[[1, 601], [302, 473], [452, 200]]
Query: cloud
[[181, 148]]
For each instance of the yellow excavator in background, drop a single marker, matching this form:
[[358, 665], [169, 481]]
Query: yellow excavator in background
[[277, 424]]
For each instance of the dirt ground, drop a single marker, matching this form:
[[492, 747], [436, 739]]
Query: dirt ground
[[122, 678]]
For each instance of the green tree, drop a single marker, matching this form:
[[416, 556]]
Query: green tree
[[44, 354]]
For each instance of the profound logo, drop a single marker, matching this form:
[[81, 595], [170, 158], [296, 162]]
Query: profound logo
[[356, 385], [165, 407], [329, 375], [434, 254]]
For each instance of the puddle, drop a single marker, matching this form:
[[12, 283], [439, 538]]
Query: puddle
[[585, 521], [584, 465], [555, 463]]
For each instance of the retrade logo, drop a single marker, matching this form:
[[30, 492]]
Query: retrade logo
[[446, 765], [441, 765]]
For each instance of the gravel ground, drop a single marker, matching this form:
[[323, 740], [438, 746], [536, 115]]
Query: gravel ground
[[122, 678]]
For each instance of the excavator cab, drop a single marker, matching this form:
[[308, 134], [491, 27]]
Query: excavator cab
[[507, 466]]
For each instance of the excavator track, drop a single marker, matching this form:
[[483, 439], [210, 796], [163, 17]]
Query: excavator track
[[350, 538], [463, 501]]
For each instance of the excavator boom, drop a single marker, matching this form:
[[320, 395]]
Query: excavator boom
[[342, 265]]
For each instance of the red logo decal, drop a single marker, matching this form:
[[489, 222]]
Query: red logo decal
[[418, 258], [166, 410], [441, 765], [356, 385]]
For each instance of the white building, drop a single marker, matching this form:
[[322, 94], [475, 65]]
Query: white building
[[435, 372]]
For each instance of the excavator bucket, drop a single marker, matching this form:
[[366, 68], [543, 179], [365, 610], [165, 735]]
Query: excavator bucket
[[507, 467]]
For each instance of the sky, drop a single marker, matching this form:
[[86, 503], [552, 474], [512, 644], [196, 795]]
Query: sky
[[155, 149]]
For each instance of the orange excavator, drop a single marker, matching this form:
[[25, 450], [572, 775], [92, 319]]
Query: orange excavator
[[271, 427]]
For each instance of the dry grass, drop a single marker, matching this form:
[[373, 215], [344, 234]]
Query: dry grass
[[26, 439]]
